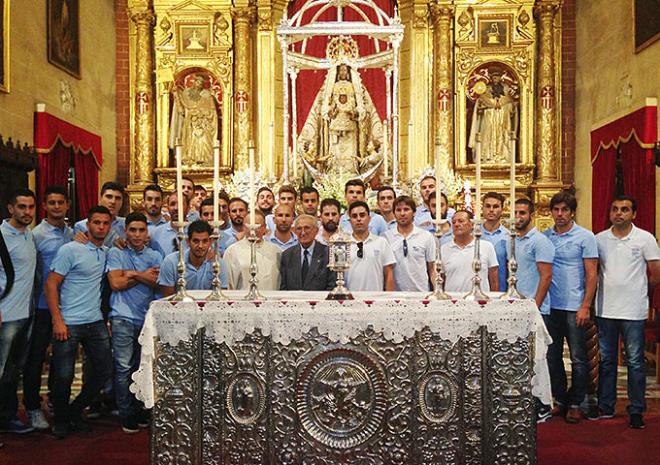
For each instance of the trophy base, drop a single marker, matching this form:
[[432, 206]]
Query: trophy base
[[340, 293]]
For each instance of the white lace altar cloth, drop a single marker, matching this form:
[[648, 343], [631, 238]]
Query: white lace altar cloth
[[286, 316]]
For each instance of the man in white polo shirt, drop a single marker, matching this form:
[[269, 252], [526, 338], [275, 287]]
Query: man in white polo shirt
[[372, 260], [414, 248], [458, 254], [626, 253]]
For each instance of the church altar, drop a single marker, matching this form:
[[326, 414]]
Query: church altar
[[385, 378]]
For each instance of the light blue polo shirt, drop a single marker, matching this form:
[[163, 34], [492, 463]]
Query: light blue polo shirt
[[196, 278], [424, 220], [500, 239], [151, 226], [568, 278], [83, 267], [163, 239], [226, 239], [531, 249], [377, 224], [117, 230], [283, 245], [23, 253], [132, 303], [48, 239]]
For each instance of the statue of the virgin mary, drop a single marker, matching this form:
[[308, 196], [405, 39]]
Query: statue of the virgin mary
[[343, 133]]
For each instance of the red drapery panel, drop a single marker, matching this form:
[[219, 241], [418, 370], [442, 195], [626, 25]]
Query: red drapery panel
[[48, 130], [602, 188], [53, 171], [634, 135], [309, 82], [87, 182], [639, 182]]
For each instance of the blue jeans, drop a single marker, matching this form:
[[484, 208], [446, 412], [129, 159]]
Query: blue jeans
[[561, 325], [632, 332], [38, 346], [95, 340], [126, 353], [13, 352]]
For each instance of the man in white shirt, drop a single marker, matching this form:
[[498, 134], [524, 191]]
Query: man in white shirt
[[626, 253], [458, 254], [414, 249], [237, 259], [372, 260]]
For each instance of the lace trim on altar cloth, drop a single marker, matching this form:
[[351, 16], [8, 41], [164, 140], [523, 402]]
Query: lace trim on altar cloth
[[287, 320]]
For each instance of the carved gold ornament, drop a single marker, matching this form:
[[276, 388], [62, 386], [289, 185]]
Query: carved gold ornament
[[342, 49]]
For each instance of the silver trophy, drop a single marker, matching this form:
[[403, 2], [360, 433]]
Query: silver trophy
[[340, 262]]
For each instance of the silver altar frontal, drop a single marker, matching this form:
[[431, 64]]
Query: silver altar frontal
[[387, 378]]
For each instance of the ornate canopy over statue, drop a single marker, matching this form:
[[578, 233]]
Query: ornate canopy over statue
[[343, 132]]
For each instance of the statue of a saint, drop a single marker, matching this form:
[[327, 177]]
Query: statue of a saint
[[343, 132], [195, 123], [495, 115]]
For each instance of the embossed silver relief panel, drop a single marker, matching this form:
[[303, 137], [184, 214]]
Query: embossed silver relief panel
[[423, 400]]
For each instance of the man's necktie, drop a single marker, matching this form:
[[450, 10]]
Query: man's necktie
[[305, 266]]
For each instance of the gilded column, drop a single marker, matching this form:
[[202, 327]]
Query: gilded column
[[546, 112], [443, 84], [144, 158], [243, 20]]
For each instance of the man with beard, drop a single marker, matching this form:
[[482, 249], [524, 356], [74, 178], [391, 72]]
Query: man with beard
[[282, 236], [265, 200], [330, 214], [164, 238], [51, 234], [304, 267], [414, 249], [198, 260], [238, 209], [494, 232], [447, 234], [188, 189], [132, 273], [535, 254], [152, 203], [226, 238], [112, 198], [73, 293], [16, 282]]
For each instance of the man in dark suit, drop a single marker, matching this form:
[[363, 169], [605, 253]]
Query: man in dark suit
[[304, 267]]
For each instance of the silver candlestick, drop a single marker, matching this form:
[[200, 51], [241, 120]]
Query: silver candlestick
[[512, 292], [181, 294], [253, 293], [476, 294], [439, 282], [216, 294]]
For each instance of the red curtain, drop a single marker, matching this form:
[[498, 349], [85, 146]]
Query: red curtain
[[48, 130], [309, 82], [87, 182], [639, 182], [602, 188], [53, 171], [634, 135]]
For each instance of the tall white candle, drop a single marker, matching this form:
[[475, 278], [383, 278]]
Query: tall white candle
[[253, 204], [271, 130], [179, 182], [386, 137], [216, 180], [477, 179], [512, 188]]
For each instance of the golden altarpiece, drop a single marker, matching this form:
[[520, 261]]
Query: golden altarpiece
[[453, 56]]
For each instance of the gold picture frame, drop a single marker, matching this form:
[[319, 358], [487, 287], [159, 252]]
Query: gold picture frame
[[63, 18], [193, 38], [494, 32], [5, 75]]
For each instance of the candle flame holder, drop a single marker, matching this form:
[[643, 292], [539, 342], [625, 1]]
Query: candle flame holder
[[181, 294], [512, 292], [253, 293], [439, 282], [216, 293], [476, 294]]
